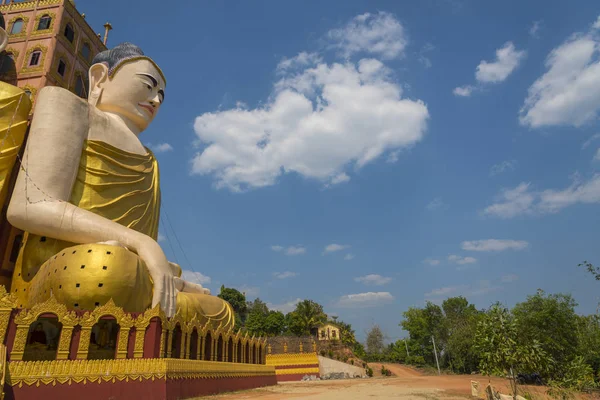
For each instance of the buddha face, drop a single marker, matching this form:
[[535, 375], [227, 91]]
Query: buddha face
[[135, 91]]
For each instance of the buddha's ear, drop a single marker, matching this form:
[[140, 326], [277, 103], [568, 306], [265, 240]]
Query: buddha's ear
[[97, 75], [3, 40]]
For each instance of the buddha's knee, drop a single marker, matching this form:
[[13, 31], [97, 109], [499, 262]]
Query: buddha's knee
[[86, 276]]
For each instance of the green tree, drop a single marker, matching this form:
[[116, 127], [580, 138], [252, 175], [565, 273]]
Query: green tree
[[595, 271], [258, 306], [236, 299], [460, 326], [421, 324], [274, 323], [307, 316], [551, 320], [346, 333], [588, 341], [375, 341], [500, 352]]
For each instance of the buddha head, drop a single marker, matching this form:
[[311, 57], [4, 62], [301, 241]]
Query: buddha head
[[125, 82], [3, 34]]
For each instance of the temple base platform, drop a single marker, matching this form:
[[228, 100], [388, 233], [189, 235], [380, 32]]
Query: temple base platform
[[151, 379]]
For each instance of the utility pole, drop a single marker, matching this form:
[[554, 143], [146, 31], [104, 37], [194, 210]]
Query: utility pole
[[436, 357], [407, 353]]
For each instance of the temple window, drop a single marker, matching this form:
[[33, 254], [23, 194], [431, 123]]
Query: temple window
[[220, 349], [239, 351], [17, 26], [42, 339], [44, 23], [230, 350], [176, 342], [62, 67], [208, 347], [247, 353], [85, 51], [194, 344], [103, 340], [69, 33], [35, 58]]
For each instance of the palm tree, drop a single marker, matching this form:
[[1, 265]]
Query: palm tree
[[310, 315]]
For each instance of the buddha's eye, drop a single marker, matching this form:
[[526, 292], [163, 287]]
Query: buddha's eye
[[149, 87]]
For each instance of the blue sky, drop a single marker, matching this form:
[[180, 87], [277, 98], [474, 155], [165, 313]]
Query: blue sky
[[372, 155]]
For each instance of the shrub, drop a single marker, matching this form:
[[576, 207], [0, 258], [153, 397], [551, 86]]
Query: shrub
[[345, 358], [330, 353], [323, 352], [369, 372], [352, 361], [382, 370]]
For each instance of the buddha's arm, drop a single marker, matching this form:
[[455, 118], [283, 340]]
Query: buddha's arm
[[40, 200]]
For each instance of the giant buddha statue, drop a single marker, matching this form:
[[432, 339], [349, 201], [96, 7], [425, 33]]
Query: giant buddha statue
[[88, 198], [14, 112]]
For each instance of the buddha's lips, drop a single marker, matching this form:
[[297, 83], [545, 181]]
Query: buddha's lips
[[147, 107]]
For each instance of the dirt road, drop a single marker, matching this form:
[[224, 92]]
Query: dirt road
[[407, 384]]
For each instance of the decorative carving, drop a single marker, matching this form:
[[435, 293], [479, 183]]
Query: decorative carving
[[291, 359], [7, 303], [33, 90], [88, 320], [34, 68], [37, 22], [58, 77], [84, 371], [25, 318], [23, 32], [28, 4]]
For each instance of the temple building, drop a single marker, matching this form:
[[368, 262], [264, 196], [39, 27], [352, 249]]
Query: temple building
[[51, 44], [328, 331]]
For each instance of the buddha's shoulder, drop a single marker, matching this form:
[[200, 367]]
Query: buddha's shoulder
[[55, 93]]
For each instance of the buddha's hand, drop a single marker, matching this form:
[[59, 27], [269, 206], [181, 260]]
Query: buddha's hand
[[161, 272], [189, 287]]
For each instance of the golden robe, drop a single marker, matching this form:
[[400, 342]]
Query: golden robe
[[14, 112], [123, 187]]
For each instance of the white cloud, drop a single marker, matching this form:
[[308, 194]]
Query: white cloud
[[504, 166], [290, 251], [509, 278], [597, 156], [380, 34], [435, 204], [535, 27], [332, 248], [461, 260], [285, 307], [507, 60], [579, 192], [590, 141], [195, 277], [302, 60], [349, 257], [569, 92], [596, 24], [249, 291], [373, 279], [477, 289], [161, 147], [431, 261], [444, 291], [285, 275], [424, 59], [521, 200], [494, 245], [295, 250], [369, 299], [320, 122], [161, 237], [512, 202], [463, 91]]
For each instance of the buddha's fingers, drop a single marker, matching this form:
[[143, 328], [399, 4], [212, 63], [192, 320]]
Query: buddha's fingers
[[189, 287]]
